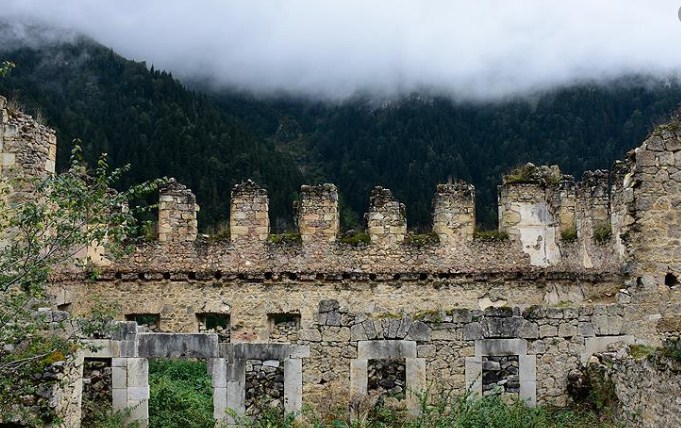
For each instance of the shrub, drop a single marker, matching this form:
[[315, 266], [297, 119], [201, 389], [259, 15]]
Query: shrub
[[602, 233]]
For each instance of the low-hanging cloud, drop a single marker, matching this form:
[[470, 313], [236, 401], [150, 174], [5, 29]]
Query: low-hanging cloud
[[337, 48]]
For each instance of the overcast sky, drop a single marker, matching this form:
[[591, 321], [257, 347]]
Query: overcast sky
[[335, 48]]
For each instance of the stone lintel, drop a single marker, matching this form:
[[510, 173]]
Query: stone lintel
[[173, 345], [261, 351], [499, 347], [385, 349]]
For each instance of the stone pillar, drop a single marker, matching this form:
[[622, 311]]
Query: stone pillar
[[567, 204], [386, 220], [527, 216], [249, 221], [130, 387], [218, 373], [594, 203], [454, 212], [318, 219], [177, 210]]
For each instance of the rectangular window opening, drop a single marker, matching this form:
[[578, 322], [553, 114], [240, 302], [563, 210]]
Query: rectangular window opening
[[284, 327], [211, 322], [151, 322]]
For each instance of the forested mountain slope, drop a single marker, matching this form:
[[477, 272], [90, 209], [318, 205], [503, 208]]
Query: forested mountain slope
[[209, 142], [411, 144], [148, 119]]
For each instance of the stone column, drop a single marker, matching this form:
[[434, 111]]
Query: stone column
[[318, 219], [249, 221], [218, 372], [386, 220], [454, 212], [177, 210]]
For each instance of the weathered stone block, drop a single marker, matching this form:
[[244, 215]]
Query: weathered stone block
[[385, 349], [548, 330], [473, 331], [419, 331], [357, 333]]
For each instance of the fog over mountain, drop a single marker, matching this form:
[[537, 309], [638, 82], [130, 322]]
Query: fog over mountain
[[337, 48]]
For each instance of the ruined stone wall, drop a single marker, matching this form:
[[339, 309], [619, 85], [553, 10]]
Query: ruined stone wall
[[651, 231], [586, 265], [647, 389], [28, 150]]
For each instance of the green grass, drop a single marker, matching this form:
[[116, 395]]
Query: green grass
[[490, 235], [355, 239], [461, 412], [181, 394], [422, 239], [602, 233], [569, 234]]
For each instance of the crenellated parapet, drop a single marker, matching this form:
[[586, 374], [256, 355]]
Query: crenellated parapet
[[386, 219], [249, 221], [177, 210], [454, 212], [317, 216]]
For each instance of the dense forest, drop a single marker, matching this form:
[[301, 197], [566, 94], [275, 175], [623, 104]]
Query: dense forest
[[145, 117]]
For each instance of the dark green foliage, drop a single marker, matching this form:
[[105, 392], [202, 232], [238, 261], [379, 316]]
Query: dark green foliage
[[148, 119], [181, 394]]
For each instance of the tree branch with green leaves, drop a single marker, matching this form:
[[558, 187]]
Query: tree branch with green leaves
[[46, 227]]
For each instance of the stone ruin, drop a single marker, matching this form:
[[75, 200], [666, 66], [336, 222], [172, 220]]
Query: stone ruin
[[575, 269]]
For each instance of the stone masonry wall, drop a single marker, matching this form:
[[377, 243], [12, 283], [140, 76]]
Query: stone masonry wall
[[177, 210], [448, 309], [454, 213], [647, 389], [386, 220]]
